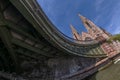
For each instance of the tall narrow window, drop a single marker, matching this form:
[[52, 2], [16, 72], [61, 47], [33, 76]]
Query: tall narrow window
[[88, 24]]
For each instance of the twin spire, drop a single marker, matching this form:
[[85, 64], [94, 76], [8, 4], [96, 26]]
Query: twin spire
[[93, 31], [75, 33]]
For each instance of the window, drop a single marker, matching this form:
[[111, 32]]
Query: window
[[88, 39], [88, 24]]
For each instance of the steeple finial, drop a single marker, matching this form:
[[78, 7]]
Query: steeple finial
[[83, 19]]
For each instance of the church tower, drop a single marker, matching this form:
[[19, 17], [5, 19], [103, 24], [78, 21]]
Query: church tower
[[75, 33], [93, 29]]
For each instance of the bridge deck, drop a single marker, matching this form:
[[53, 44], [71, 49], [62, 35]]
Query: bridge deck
[[30, 41]]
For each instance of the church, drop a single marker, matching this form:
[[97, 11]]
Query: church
[[93, 31], [96, 33], [31, 48]]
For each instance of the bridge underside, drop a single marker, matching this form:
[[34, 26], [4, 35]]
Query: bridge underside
[[29, 48]]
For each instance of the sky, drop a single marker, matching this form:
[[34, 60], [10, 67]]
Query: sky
[[62, 13]]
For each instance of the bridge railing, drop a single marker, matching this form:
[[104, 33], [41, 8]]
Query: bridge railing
[[45, 27], [57, 32]]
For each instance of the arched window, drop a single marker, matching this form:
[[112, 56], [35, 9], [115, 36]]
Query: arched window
[[88, 39], [100, 38]]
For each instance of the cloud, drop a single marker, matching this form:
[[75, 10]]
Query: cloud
[[114, 25], [108, 15], [98, 4], [48, 7], [97, 18]]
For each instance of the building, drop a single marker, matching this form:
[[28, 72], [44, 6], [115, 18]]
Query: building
[[32, 49], [93, 31]]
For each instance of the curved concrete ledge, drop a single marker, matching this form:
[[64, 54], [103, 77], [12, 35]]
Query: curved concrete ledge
[[34, 14], [38, 54]]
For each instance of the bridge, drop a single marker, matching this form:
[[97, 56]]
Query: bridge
[[33, 48]]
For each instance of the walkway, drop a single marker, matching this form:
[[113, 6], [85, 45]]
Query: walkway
[[110, 73]]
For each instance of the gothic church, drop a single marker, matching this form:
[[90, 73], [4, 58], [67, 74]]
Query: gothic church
[[93, 31]]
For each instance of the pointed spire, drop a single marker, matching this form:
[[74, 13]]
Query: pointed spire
[[73, 29], [92, 28], [75, 33], [86, 22], [83, 19]]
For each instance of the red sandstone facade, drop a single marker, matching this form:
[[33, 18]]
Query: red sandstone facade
[[96, 33], [93, 31]]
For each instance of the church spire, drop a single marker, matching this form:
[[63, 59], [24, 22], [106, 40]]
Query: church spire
[[92, 29], [83, 19], [89, 25], [75, 33], [86, 22]]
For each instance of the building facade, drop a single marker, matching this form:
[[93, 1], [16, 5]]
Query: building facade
[[96, 33], [93, 31]]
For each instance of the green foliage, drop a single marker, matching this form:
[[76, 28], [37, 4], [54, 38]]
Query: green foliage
[[114, 38]]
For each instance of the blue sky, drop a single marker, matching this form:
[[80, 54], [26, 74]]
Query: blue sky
[[62, 13]]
